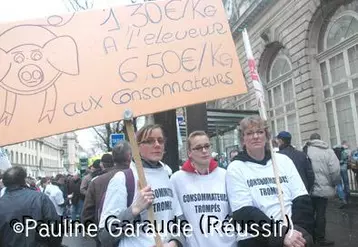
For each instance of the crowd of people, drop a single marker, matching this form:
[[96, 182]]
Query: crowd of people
[[244, 194]]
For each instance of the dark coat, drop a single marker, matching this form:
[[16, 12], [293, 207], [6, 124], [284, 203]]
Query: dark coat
[[18, 203], [95, 191], [74, 187], [302, 163]]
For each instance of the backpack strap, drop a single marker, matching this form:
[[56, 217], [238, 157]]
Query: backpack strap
[[101, 206], [129, 185], [128, 173]]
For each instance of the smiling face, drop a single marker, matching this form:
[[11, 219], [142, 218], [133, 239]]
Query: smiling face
[[151, 145]]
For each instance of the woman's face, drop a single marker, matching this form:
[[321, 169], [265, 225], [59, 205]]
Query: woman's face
[[254, 138], [152, 148]]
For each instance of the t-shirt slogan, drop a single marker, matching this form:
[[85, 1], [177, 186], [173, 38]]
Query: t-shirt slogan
[[163, 205], [202, 198], [269, 191]]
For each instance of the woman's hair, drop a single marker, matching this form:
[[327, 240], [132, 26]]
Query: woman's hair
[[250, 121], [194, 134], [146, 131]]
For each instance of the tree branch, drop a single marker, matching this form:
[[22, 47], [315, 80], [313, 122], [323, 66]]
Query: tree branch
[[109, 132], [99, 134]]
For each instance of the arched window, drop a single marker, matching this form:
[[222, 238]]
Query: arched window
[[340, 29], [280, 66], [338, 61], [281, 98]]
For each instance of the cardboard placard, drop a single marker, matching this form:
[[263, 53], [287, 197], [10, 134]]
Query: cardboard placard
[[69, 72]]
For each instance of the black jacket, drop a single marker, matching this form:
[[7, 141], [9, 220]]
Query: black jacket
[[302, 163], [21, 202]]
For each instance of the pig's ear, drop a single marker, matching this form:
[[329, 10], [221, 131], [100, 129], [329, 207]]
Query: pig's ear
[[62, 54], [4, 64]]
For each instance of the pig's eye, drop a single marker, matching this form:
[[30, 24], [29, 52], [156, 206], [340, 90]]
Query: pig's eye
[[36, 55], [19, 58]]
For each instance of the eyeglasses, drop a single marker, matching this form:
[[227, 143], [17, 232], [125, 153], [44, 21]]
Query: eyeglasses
[[152, 141], [201, 148], [251, 134]]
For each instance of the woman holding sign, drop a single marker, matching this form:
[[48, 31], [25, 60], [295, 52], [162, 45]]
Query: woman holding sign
[[253, 193], [129, 221]]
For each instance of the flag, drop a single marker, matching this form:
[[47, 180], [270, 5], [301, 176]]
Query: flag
[[259, 90], [180, 140]]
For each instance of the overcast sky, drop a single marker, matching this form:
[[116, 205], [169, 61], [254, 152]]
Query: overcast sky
[[15, 10]]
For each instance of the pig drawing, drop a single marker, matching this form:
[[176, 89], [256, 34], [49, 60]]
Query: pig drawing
[[32, 59]]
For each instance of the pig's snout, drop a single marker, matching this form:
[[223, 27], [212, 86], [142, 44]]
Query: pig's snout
[[31, 75]]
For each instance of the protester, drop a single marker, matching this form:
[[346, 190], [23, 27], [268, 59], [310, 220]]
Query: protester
[[200, 175], [159, 193], [56, 195], [253, 193], [77, 198], [94, 170], [300, 159], [19, 200], [106, 162], [122, 156], [326, 168], [343, 161]]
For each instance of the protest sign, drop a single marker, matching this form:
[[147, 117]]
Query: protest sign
[[69, 72]]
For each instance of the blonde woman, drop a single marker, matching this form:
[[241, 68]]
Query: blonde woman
[[253, 194]]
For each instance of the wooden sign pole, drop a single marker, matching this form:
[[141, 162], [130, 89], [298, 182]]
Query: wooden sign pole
[[138, 162]]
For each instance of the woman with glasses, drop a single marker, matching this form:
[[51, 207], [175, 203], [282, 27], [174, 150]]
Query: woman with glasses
[[200, 186], [253, 193], [159, 193]]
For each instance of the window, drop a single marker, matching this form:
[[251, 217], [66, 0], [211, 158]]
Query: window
[[281, 98], [340, 30], [339, 77]]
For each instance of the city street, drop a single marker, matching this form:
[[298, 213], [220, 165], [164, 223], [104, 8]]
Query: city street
[[342, 227], [79, 241]]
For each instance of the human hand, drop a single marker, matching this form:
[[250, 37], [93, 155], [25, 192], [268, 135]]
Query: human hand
[[294, 239], [170, 244], [143, 200]]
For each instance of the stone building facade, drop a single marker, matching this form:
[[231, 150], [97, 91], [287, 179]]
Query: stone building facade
[[307, 57], [46, 156], [40, 157]]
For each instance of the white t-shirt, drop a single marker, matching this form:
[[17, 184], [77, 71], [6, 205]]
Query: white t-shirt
[[56, 196], [203, 198], [165, 205], [251, 184]]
